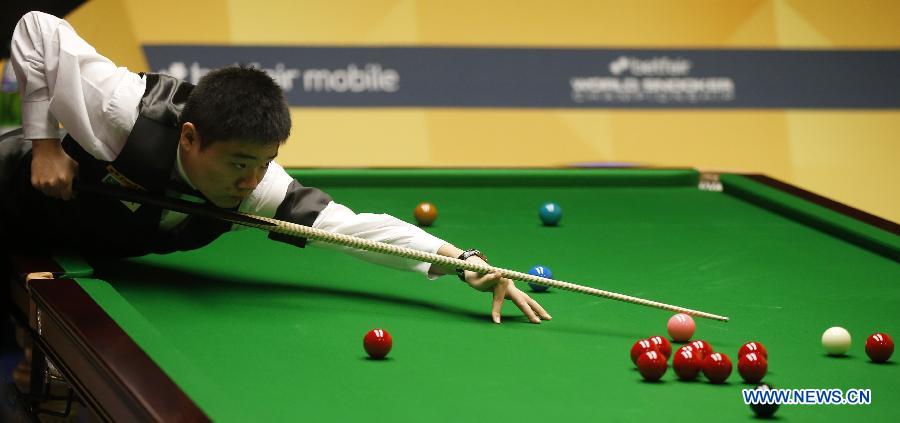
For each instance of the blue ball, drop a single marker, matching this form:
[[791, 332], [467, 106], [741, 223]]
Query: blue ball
[[543, 272], [550, 214]]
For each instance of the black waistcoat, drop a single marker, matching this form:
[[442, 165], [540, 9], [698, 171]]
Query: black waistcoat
[[146, 162]]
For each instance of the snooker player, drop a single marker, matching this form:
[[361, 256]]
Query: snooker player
[[214, 142]]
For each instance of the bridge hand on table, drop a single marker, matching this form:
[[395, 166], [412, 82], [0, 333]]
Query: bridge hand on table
[[504, 288]]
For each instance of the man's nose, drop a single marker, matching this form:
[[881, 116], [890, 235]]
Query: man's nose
[[250, 181]]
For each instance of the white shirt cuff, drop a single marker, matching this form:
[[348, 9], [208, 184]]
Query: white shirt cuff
[[430, 244], [40, 122]]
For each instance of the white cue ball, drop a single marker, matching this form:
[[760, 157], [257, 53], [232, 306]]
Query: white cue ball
[[836, 341]]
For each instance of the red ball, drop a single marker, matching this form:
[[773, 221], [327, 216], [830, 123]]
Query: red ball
[[652, 365], [378, 343], [687, 348], [686, 363], [717, 367], [752, 367], [641, 347], [753, 347], [879, 347], [702, 347], [425, 214], [662, 344]]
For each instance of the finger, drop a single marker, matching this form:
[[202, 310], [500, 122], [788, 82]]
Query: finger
[[537, 308], [66, 190], [518, 298], [38, 275], [40, 186], [58, 190], [499, 296], [69, 190], [49, 190]]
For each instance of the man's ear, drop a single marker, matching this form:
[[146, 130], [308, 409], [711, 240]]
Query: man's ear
[[189, 138]]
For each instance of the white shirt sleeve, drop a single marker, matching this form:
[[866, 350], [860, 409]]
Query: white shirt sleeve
[[337, 218], [377, 227], [62, 79]]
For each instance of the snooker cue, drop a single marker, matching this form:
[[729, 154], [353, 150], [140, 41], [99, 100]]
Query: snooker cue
[[301, 231]]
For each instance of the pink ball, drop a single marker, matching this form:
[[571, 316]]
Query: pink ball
[[681, 327]]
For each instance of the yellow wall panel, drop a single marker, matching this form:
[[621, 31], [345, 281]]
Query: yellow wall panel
[[594, 128], [851, 156], [870, 24], [743, 141], [357, 138], [179, 21], [758, 29], [652, 23], [106, 26], [492, 137], [323, 22], [794, 29], [399, 26], [658, 23]]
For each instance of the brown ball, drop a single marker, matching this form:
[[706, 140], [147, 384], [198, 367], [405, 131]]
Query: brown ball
[[425, 214]]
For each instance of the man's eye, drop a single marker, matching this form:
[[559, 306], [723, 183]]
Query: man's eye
[[265, 165], [239, 165]]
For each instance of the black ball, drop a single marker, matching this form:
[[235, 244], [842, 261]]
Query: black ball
[[764, 410]]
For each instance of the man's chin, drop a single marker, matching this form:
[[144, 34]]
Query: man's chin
[[227, 202]]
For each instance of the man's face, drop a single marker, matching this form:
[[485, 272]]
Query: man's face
[[226, 172]]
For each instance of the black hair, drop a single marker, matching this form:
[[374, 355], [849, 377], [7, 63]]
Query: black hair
[[238, 103]]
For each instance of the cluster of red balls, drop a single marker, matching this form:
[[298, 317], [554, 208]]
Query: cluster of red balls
[[651, 356]]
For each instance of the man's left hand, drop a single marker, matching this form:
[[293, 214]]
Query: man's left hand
[[503, 289]]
